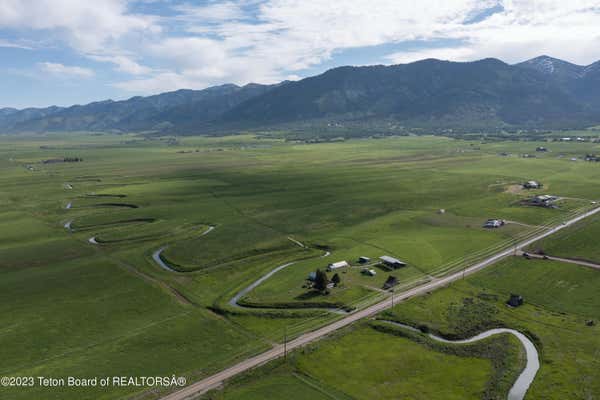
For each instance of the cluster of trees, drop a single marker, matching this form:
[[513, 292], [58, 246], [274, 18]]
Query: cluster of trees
[[72, 159], [321, 280]]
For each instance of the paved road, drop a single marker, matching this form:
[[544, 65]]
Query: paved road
[[217, 379]]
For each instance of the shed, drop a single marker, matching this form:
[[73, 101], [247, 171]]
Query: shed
[[363, 259], [392, 262], [390, 282], [336, 265], [369, 272], [515, 300]]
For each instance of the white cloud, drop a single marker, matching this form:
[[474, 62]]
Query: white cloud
[[87, 25], [218, 12], [524, 29], [268, 40], [160, 82], [443, 53], [16, 45], [123, 63], [66, 71]]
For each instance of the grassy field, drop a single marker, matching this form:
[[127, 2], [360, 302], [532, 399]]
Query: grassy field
[[559, 300], [579, 242], [365, 363], [378, 360], [75, 308]]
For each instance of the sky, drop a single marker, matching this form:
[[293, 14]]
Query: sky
[[63, 52]]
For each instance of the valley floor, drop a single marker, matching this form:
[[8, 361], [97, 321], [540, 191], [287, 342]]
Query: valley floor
[[224, 209]]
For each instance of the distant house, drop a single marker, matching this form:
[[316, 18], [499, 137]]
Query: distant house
[[532, 185], [515, 300], [494, 223], [542, 201], [392, 262], [541, 149], [337, 265], [368, 271], [565, 139], [363, 259]]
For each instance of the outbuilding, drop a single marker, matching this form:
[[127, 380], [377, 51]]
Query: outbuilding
[[543, 200], [337, 265], [515, 300], [369, 272], [494, 223], [392, 262], [363, 259], [532, 185]]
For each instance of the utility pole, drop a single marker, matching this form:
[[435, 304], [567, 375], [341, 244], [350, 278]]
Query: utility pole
[[285, 342]]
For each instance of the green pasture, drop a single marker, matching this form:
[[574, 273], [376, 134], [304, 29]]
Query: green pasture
[[560, 300], [74, 307]]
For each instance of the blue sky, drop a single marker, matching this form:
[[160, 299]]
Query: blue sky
[[72, 52]]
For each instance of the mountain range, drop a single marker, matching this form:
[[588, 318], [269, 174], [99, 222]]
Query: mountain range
[[543, 92]]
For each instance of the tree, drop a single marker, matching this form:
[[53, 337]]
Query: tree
[[321, 281], [336, 279]]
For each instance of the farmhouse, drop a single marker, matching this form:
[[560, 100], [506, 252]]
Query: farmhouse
[[337, 265], [363, 259], [392, 262], [493, 223], [532, 185], [543, 200]]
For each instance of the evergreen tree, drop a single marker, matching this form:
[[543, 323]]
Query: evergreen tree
[[321, 281], [335, 279]]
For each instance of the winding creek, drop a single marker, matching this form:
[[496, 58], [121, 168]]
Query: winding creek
[[525, 379], [158, 259], [234, 301]]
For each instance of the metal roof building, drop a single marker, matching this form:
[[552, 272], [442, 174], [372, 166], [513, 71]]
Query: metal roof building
[[336, 265], [392, 262]]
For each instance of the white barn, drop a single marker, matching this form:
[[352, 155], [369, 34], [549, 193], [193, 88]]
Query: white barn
[[337, 265]]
